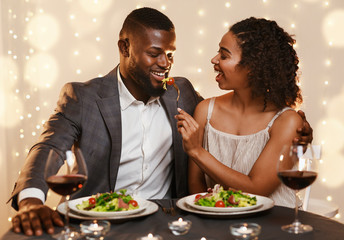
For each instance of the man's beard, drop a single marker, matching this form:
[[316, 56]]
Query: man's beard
[[142, 79]]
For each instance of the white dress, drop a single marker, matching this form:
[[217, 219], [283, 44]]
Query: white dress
[[241, 152]]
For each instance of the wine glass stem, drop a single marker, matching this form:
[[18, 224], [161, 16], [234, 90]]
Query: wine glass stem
[[296, 209], [67, 213]]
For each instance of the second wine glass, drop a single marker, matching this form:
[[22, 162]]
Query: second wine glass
[[68, 180], [297, 171]]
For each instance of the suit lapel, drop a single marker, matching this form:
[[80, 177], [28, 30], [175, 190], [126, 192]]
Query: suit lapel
[[109, 107], [170, 105]]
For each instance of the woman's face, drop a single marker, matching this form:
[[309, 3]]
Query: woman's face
[[230, 76]]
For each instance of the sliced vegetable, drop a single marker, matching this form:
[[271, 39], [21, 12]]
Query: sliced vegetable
[[109, 202], [229, 198]]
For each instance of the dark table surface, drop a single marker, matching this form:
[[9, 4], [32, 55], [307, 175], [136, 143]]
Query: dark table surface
[[213, 228]]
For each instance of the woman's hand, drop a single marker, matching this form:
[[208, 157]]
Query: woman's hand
[[189, 129]]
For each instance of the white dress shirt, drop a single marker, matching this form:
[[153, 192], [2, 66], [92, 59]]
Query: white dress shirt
[[145, 167], [146, 160]]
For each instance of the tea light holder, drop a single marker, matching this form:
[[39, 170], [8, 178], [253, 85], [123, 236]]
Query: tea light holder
[[150, 236], [180, 227], [95, 229], [245, 231]]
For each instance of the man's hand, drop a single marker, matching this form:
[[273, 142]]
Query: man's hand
[[33, 217], [306, 132]]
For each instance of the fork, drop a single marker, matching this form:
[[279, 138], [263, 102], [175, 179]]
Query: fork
[[172, 210]]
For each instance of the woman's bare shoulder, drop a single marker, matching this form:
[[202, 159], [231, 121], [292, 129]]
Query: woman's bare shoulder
[[288, 120], [202, 109]]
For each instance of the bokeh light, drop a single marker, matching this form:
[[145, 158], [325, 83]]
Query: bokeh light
[[332, 168], [41, 70], [43, 31], [95, 6], [333, 28], [9, 101], [334, 104], [311, 1], [83, 22], [9, 71]]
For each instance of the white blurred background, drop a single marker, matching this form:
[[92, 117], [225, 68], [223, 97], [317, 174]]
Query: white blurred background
[[45, 44]]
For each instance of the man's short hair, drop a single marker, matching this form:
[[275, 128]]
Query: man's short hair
[[148, 18]]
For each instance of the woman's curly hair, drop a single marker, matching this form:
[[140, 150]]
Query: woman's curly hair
[[268, 54]]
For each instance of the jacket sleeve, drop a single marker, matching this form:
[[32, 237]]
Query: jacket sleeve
[[59, 133]]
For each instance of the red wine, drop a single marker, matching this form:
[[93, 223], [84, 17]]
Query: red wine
[[66, 184], [297, 179]]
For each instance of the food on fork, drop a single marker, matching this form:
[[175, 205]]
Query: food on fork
[[170, 81], [218, 197], [109, 202]]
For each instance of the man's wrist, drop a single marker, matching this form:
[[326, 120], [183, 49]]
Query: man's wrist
[[27, 202]]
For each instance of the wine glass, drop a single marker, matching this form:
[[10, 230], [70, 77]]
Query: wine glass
[[66, 174], [297, 171]]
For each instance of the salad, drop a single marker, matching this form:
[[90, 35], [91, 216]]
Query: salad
[[218, 197], [109, 202]]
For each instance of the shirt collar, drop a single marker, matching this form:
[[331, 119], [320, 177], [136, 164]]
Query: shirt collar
[[126, 98]]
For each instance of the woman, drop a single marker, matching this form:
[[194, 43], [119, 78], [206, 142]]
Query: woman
[[234, 139]]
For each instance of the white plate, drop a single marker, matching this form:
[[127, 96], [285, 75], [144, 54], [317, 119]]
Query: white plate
[[190, 201], [264, 204], [148, 208], [73, 203]]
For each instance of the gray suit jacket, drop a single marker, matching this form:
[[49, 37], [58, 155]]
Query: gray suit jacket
[[88, 114]]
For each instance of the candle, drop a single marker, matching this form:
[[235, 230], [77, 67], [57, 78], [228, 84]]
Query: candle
[[244, 230], [95, 227], [150, 236], [179, 223], [179, 227]]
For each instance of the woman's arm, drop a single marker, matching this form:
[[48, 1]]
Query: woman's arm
[[196, 179]]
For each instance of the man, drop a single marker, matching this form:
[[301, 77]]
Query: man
[[123, 123]]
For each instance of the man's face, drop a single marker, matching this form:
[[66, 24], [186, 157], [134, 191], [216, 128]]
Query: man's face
[[150, 57]]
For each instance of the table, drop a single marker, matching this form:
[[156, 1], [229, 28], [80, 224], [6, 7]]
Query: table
[[214, 228]]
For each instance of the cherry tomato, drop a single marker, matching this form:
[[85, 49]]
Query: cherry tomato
[[92, 201], [197, 197], [219, 204], [232, 200], [170, 81], [133, 203]]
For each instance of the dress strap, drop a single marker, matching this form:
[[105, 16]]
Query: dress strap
[[210, 108], [278, 114], [206, 128]]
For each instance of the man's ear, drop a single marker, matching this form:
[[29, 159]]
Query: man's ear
[[123, 45]]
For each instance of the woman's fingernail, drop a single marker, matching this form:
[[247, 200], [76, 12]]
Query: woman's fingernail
[[179, 109]]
